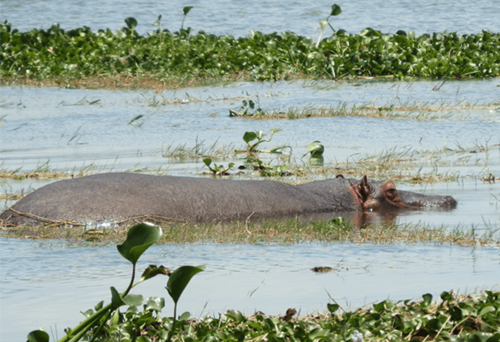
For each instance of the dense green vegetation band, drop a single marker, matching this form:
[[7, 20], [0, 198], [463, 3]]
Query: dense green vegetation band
[[42, 54]]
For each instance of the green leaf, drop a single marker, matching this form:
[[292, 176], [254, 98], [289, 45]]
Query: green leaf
[[427, 298], [317, 333], [143, 339], [446, 296], [323, 24], [133, 300], [116, 299], [486, 309], [157, 22], [179, 279], [316, 149], [38, 336], [332, 307], [207, 161], [235, 316], [99, 305], [139, 238], [131, 22], [186, 10], [155, 303], [336, 10], [184, 316], [115, 318], [249, 136]]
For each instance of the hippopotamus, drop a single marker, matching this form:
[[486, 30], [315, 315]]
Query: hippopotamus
[[116, 197]]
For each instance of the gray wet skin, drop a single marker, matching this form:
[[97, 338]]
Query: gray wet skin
[[118, 196]]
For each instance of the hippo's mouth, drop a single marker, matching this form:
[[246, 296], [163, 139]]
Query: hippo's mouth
[[363, 194]]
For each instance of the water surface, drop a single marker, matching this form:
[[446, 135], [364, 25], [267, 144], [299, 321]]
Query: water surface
[[238, 18], [269, 278]]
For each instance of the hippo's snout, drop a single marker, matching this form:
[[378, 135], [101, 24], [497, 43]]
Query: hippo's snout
[[448, 201]]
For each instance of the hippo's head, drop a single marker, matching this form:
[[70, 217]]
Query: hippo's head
[[376, 196], [382, 196]]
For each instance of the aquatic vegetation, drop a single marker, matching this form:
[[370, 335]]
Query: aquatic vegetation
[[199, 150], [247, 109], [285, 231], [472, 317], [411, 110], [336, 10], [83, 58], [266, 169], [254, 139], [217, 170], [139, 238]]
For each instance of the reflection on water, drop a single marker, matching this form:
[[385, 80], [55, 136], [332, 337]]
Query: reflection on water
[[48, 283]]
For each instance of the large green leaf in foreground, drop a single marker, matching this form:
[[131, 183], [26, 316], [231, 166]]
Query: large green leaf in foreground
[[139, 238], [180, 278]]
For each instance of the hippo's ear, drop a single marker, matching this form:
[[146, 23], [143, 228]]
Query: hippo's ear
[[364, 188], [361, 191]]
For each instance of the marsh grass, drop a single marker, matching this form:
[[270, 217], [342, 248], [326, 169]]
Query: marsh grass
[[10, 196], [405, 164], [286, 231], [129, 81], [411, 110], [199, 150]]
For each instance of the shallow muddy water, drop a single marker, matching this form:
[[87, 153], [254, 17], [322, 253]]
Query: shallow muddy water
[[238, 18], [267, 278]]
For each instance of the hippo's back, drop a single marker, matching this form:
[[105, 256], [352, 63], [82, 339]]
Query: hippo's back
[[118, 196]]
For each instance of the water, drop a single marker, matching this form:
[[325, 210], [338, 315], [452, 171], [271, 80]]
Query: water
[[269, 278], [238, 18], [99, 133], [97, 137], [48, 283]]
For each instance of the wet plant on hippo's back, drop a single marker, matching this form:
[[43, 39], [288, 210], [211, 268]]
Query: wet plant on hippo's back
[[139, 238]]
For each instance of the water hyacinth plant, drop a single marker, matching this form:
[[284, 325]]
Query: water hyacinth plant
[[173, 58], [139, 238], [217, 170], [247, 109], [255, 138]]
